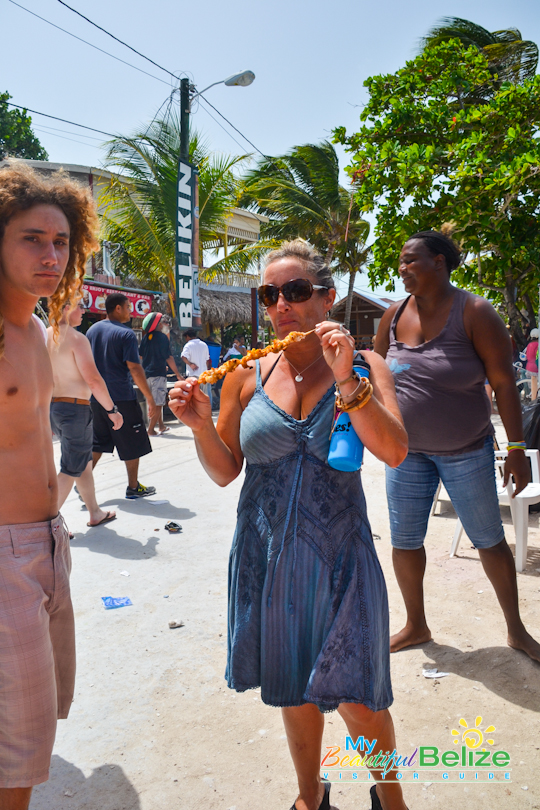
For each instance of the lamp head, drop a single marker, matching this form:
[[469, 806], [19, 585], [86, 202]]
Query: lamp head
[[242, 79]]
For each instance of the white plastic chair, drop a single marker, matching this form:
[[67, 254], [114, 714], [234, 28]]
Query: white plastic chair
[[519, 506]]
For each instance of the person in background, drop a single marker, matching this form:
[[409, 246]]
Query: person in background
[[75, 376], [155, 353], [196, 356], [531, 366], [214, 347], [237, 350], [116, 353], [441, 343]]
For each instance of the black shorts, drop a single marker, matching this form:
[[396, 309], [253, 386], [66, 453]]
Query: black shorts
[[72, 423], [131, 440]]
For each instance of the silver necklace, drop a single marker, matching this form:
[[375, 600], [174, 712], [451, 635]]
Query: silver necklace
[[299, 374]]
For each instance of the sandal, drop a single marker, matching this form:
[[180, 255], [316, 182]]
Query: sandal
[[325, 804], [375, 801]]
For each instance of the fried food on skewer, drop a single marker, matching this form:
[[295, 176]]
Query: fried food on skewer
[[214, 374]]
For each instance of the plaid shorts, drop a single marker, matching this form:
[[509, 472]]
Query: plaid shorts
[[37, 647]]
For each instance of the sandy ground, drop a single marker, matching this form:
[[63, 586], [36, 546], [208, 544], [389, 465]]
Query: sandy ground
[[153, 725]]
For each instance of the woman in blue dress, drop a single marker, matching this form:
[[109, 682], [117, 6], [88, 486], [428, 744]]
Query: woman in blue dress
[[308, 611]]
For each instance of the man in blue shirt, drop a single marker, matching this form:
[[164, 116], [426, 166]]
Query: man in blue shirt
[[116, 354]]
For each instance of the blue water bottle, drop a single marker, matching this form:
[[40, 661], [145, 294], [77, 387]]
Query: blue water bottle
[[346, 450]]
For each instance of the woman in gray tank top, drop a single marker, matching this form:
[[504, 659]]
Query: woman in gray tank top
[[440, 344]]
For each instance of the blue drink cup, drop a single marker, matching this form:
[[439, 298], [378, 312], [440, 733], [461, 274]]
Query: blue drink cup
[[346, 450]]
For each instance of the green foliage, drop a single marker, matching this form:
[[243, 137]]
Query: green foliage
[[140, 200], [510, 57], [301, 194], [16, 136], [423, 158]]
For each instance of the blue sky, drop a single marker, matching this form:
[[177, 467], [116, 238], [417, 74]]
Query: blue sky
[[310, 59]]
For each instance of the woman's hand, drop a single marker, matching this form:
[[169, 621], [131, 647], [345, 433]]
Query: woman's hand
[[338, 348], [190, 404]]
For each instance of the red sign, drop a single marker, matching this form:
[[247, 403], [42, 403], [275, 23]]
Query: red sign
[[94, 300]]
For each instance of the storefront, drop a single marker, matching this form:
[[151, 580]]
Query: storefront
[[94, 295]]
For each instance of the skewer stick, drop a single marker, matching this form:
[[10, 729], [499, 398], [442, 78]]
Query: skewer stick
[[215, 374]]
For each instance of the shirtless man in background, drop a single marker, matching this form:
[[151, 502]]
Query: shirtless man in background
[[47, 230], [75, 378]]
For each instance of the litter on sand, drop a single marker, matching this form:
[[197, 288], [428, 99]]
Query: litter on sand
[[433, 673], [111, 602], [172, 625], [124, 573], [173, 527], [155, 501]]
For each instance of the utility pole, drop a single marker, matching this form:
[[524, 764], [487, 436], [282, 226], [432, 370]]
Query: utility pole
[[184, 119]]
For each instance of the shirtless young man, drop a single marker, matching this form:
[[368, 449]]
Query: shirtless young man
[[75, 378], [47, 230]]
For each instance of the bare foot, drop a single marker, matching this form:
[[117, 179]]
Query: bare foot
[[526, 643], [408, 637]]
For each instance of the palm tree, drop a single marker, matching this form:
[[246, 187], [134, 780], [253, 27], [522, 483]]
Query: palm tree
[[510, 57], [301, 194], [140, 199]]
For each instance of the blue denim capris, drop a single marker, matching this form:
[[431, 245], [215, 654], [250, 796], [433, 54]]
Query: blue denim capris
[[469, 479]]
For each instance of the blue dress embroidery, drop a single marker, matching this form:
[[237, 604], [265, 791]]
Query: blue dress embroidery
[[308, 609]]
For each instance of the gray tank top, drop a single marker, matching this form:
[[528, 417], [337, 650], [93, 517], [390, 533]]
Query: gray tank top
[[440, 388]]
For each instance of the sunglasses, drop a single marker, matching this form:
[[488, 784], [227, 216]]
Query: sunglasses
[[294, 291]]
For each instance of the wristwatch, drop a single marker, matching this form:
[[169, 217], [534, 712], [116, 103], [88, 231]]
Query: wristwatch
[[114, 409]]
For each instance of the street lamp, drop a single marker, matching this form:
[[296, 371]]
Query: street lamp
[[187, 211], [187, 94]]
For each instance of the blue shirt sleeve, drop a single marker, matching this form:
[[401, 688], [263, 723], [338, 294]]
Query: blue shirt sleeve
[[130, 348]]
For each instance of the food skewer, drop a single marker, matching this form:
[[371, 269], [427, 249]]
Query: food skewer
[[214, 374]]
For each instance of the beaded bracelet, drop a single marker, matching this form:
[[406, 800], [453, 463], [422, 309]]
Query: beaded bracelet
[[354, 376]]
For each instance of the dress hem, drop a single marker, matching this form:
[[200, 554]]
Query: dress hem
[[329, 705]]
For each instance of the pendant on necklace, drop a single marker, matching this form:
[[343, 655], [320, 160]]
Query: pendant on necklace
[[298, 378]]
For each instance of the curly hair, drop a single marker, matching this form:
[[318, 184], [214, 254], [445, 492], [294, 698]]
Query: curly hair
[[21, 188]]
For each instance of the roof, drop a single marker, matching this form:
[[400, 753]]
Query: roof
[[224, 308], [369, 298]]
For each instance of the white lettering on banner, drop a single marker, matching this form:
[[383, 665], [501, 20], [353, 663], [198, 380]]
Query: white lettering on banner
[[185, 233], [186, 284], [183, 182], [183, 203], [185, 314], [184, 221], [184, 247]]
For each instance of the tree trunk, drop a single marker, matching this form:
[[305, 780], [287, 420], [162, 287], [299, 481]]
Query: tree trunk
[[348, 305], [514, 316]]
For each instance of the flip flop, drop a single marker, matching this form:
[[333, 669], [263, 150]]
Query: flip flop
[[108, 517], [165, 430]]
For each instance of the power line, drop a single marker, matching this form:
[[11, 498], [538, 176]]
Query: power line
[[118, 40], [56, 135], [44, 127], [221, 125], [230, 124], [64, 120], [88, 43]]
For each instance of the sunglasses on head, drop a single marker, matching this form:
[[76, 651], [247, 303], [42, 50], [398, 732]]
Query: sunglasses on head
[[294, 291]]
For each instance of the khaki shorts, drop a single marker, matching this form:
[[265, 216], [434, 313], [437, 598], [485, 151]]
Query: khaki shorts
[[37, 647], [158, 387]]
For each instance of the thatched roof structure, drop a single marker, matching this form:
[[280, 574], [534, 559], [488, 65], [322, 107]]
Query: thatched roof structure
[[224, 308]]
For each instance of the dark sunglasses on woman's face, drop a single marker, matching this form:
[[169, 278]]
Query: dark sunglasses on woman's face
[[294, 291]]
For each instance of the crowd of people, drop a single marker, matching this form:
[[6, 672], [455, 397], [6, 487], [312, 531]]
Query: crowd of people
[[308, 608]]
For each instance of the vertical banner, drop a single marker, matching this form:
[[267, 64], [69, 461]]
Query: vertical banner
[[196, 310], [184, 244]]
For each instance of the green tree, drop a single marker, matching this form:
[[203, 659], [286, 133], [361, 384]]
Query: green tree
[[510, 58], [16, 136], [301, 194], [140, 199], [422, 159]]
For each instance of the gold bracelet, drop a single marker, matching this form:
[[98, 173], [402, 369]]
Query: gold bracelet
[[359, 401], [354, 393], [354, 376]]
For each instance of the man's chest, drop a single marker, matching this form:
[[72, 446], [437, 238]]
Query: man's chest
[[26, 378]]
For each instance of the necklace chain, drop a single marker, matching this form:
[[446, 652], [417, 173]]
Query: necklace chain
[[299, 374]]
